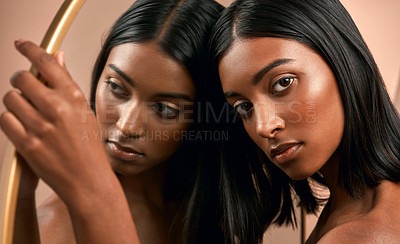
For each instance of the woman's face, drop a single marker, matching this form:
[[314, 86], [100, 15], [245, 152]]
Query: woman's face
[[144, 101], [288, 99]]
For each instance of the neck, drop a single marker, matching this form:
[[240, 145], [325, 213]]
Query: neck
[[330, 173], [342, 207], [146, 187]]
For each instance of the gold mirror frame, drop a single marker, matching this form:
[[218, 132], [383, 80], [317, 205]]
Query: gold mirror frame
[[10, 171]]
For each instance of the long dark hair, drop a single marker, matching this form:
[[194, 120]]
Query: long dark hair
[[370, 147], [181, 29]]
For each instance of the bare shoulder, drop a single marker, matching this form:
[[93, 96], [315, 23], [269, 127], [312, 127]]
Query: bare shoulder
[[381, 224], [54, 222], [370, 230]]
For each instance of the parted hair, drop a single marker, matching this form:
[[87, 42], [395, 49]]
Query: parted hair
[[370, 147], [181, 29]]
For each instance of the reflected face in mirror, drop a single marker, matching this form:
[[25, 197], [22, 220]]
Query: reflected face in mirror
[[143, 103], [288, 99]]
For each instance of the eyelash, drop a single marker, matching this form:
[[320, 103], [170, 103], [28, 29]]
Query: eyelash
[[160, 109], [245, 113], [113, 87], [278, 83]]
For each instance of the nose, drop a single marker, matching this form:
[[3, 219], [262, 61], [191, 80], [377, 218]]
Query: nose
[[268, 121], [130, 121]]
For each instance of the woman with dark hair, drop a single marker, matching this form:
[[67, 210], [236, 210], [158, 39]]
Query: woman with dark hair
[[148, 85], [312, 99]]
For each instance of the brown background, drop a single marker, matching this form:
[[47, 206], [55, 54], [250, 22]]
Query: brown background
[[378, 21]]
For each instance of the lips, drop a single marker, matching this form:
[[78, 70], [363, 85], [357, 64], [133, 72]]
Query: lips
[[122, 152], [284, 152]]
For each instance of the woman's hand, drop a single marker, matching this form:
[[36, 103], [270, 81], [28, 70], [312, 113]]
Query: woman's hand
[[55, 131], [53, 126]]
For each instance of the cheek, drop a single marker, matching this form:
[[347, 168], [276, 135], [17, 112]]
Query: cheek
[[331, 117], [329, 109], [107, 111], [176, 133], [166, 139], [325, 119], [319, 100], [302, 113], [99, 104]]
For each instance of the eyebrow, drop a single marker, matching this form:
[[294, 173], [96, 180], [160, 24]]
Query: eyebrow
[[175, 95], [122, 74], [278, 62], [231, 94], [164, 95], [260, 74]]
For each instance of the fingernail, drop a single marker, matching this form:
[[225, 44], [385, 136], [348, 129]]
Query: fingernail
[[59, 55], [12, 79], [62, 57], [18, 42]]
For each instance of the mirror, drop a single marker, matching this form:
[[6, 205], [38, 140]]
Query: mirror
[[29, 20]]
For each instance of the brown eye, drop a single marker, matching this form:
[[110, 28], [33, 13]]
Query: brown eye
[[282, 84], [116, 89], [243, 108], [165, 111]]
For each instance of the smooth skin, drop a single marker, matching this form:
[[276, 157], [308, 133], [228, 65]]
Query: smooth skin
[[144, 101], [114, 161], [140, 111], [291, 107], [45, 126]]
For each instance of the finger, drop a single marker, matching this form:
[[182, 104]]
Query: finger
[[60, 58], [32, 89], [13, 129], [55, 75], [24, 143], [23, 111]]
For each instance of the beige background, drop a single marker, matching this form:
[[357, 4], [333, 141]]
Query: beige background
[[378, 21]]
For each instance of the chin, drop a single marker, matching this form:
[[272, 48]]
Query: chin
[[125, 169], [295, 174], [128, 171]]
